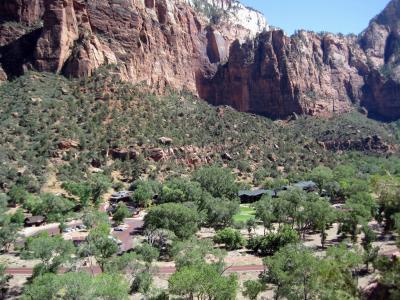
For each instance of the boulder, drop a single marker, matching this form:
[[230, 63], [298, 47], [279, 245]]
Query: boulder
[[156, 154], [124, 153], [165, 140], [68, 144]]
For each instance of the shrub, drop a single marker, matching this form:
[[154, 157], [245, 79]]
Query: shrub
[[230, 237]]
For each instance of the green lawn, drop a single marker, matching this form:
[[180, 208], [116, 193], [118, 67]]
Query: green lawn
[[244, 214]]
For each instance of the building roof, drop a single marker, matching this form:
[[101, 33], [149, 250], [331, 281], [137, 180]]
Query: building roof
[[256, 193], [305, 185], [121, 195], [34, 219]]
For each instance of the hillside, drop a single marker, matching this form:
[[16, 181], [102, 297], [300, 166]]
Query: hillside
[[106, 123]]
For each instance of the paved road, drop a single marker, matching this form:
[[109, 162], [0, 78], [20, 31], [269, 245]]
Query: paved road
[[134, 225], [162, 270]]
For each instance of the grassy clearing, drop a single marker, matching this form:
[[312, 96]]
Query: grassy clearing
[[246, 213]]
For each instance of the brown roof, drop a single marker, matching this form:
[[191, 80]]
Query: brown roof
[[34, 219]]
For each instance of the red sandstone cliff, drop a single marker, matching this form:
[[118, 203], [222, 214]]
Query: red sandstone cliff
[[167, 43], [160, 43], [275, 75]]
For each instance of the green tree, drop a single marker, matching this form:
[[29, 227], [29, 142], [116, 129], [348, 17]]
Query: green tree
[[82, 190], [55, 208], [194, 252], [8, 232], [99, 185], [230, 237], [100, 245], [321, 176], [181, 190], [142, 283], [336, 269], [18, 217], [390, 277], [321, 214], [217, 181], [181, 220], [144, 192], [92, 218], [121, 213], [77, 285], [148, 252], [353, 215], [370, 252], [388, 190], [294, 200], [269, 244], [265, 212], [17, 195], [110, 287], [275, 183], [252, 288], [51, 251], [4, 279], [203, 281], [293, 271], [220, 212]]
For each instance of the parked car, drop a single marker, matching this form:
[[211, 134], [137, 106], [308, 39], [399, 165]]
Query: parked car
[[119, 242], [121, 227]]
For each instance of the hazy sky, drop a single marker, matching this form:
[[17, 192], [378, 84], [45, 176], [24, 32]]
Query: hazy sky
[[345, 16]]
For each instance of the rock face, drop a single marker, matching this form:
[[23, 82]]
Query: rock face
[[381, 42], [218, 49], [157, 42], [234, 12], [275, 75], [60, 31], [25, 11]]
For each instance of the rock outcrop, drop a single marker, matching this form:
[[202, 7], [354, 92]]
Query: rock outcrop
[[60, 31], [367, 144]]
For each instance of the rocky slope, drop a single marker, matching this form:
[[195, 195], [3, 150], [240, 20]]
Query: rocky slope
[[217, 49]]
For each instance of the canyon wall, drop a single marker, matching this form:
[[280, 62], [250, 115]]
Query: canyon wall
[[218, 49]]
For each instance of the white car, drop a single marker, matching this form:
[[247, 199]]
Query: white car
[[119, 242]]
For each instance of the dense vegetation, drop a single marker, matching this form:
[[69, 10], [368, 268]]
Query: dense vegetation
[[39, 111]]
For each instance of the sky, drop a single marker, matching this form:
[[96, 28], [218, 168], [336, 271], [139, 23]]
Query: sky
[[344, 16]]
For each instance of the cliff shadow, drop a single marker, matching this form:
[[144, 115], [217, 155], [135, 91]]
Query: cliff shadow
[[15, 56]]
